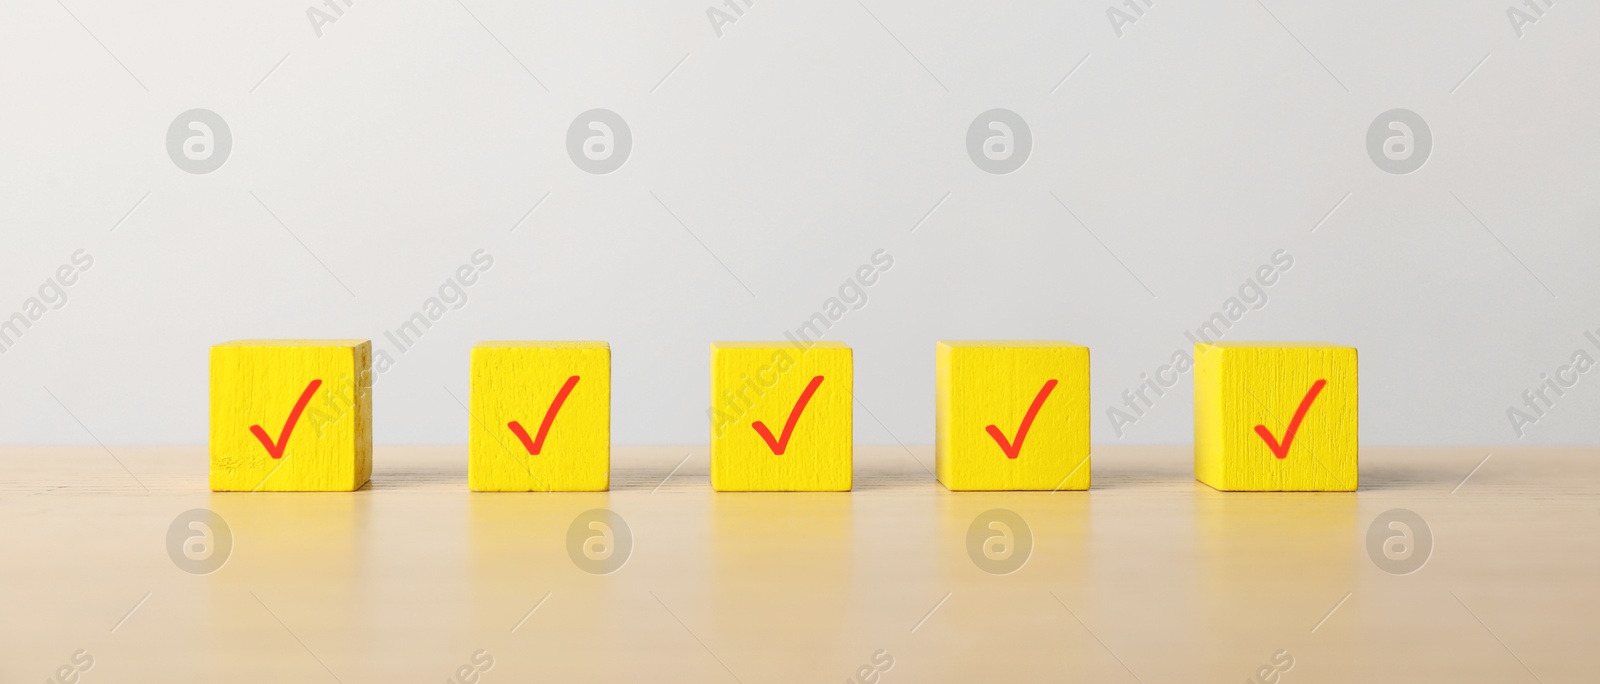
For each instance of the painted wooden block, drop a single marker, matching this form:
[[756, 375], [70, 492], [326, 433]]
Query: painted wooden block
[[541, 417], [1012, 415], [1275, 417], [781, 417], [291, 415]]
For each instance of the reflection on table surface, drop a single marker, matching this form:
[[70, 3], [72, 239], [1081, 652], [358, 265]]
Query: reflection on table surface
[[1147, 577]]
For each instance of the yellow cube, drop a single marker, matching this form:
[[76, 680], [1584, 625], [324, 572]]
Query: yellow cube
[[1012, 416], [780, 417], [1275, 417], [541, 417], [291, 415]]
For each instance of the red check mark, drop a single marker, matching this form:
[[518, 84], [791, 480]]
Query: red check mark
[[1282, 450], [276, 450], [537, 443], [778, 446], [1012, 449]]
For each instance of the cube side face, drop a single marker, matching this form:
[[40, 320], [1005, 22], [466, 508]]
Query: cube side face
[[1266, 386], [1209, 465], [520, 383], [362, 389], [997, 384], [943, 437], [763, 384], [328, 447]]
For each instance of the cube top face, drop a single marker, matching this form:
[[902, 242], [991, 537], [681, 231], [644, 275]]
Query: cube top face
[[781, 417], [541, 344], [541, 417], [1276, 417], [1012, 415], [820, 344], [291, 415], [1009, 344], [352, 343], [1268, 345]]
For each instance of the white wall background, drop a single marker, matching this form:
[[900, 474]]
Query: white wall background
[[807, 136]]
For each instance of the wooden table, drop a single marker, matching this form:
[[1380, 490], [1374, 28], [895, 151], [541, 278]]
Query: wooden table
[[1148, 577]]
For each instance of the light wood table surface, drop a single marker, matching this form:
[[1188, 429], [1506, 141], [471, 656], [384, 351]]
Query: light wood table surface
[[1148, 577]]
